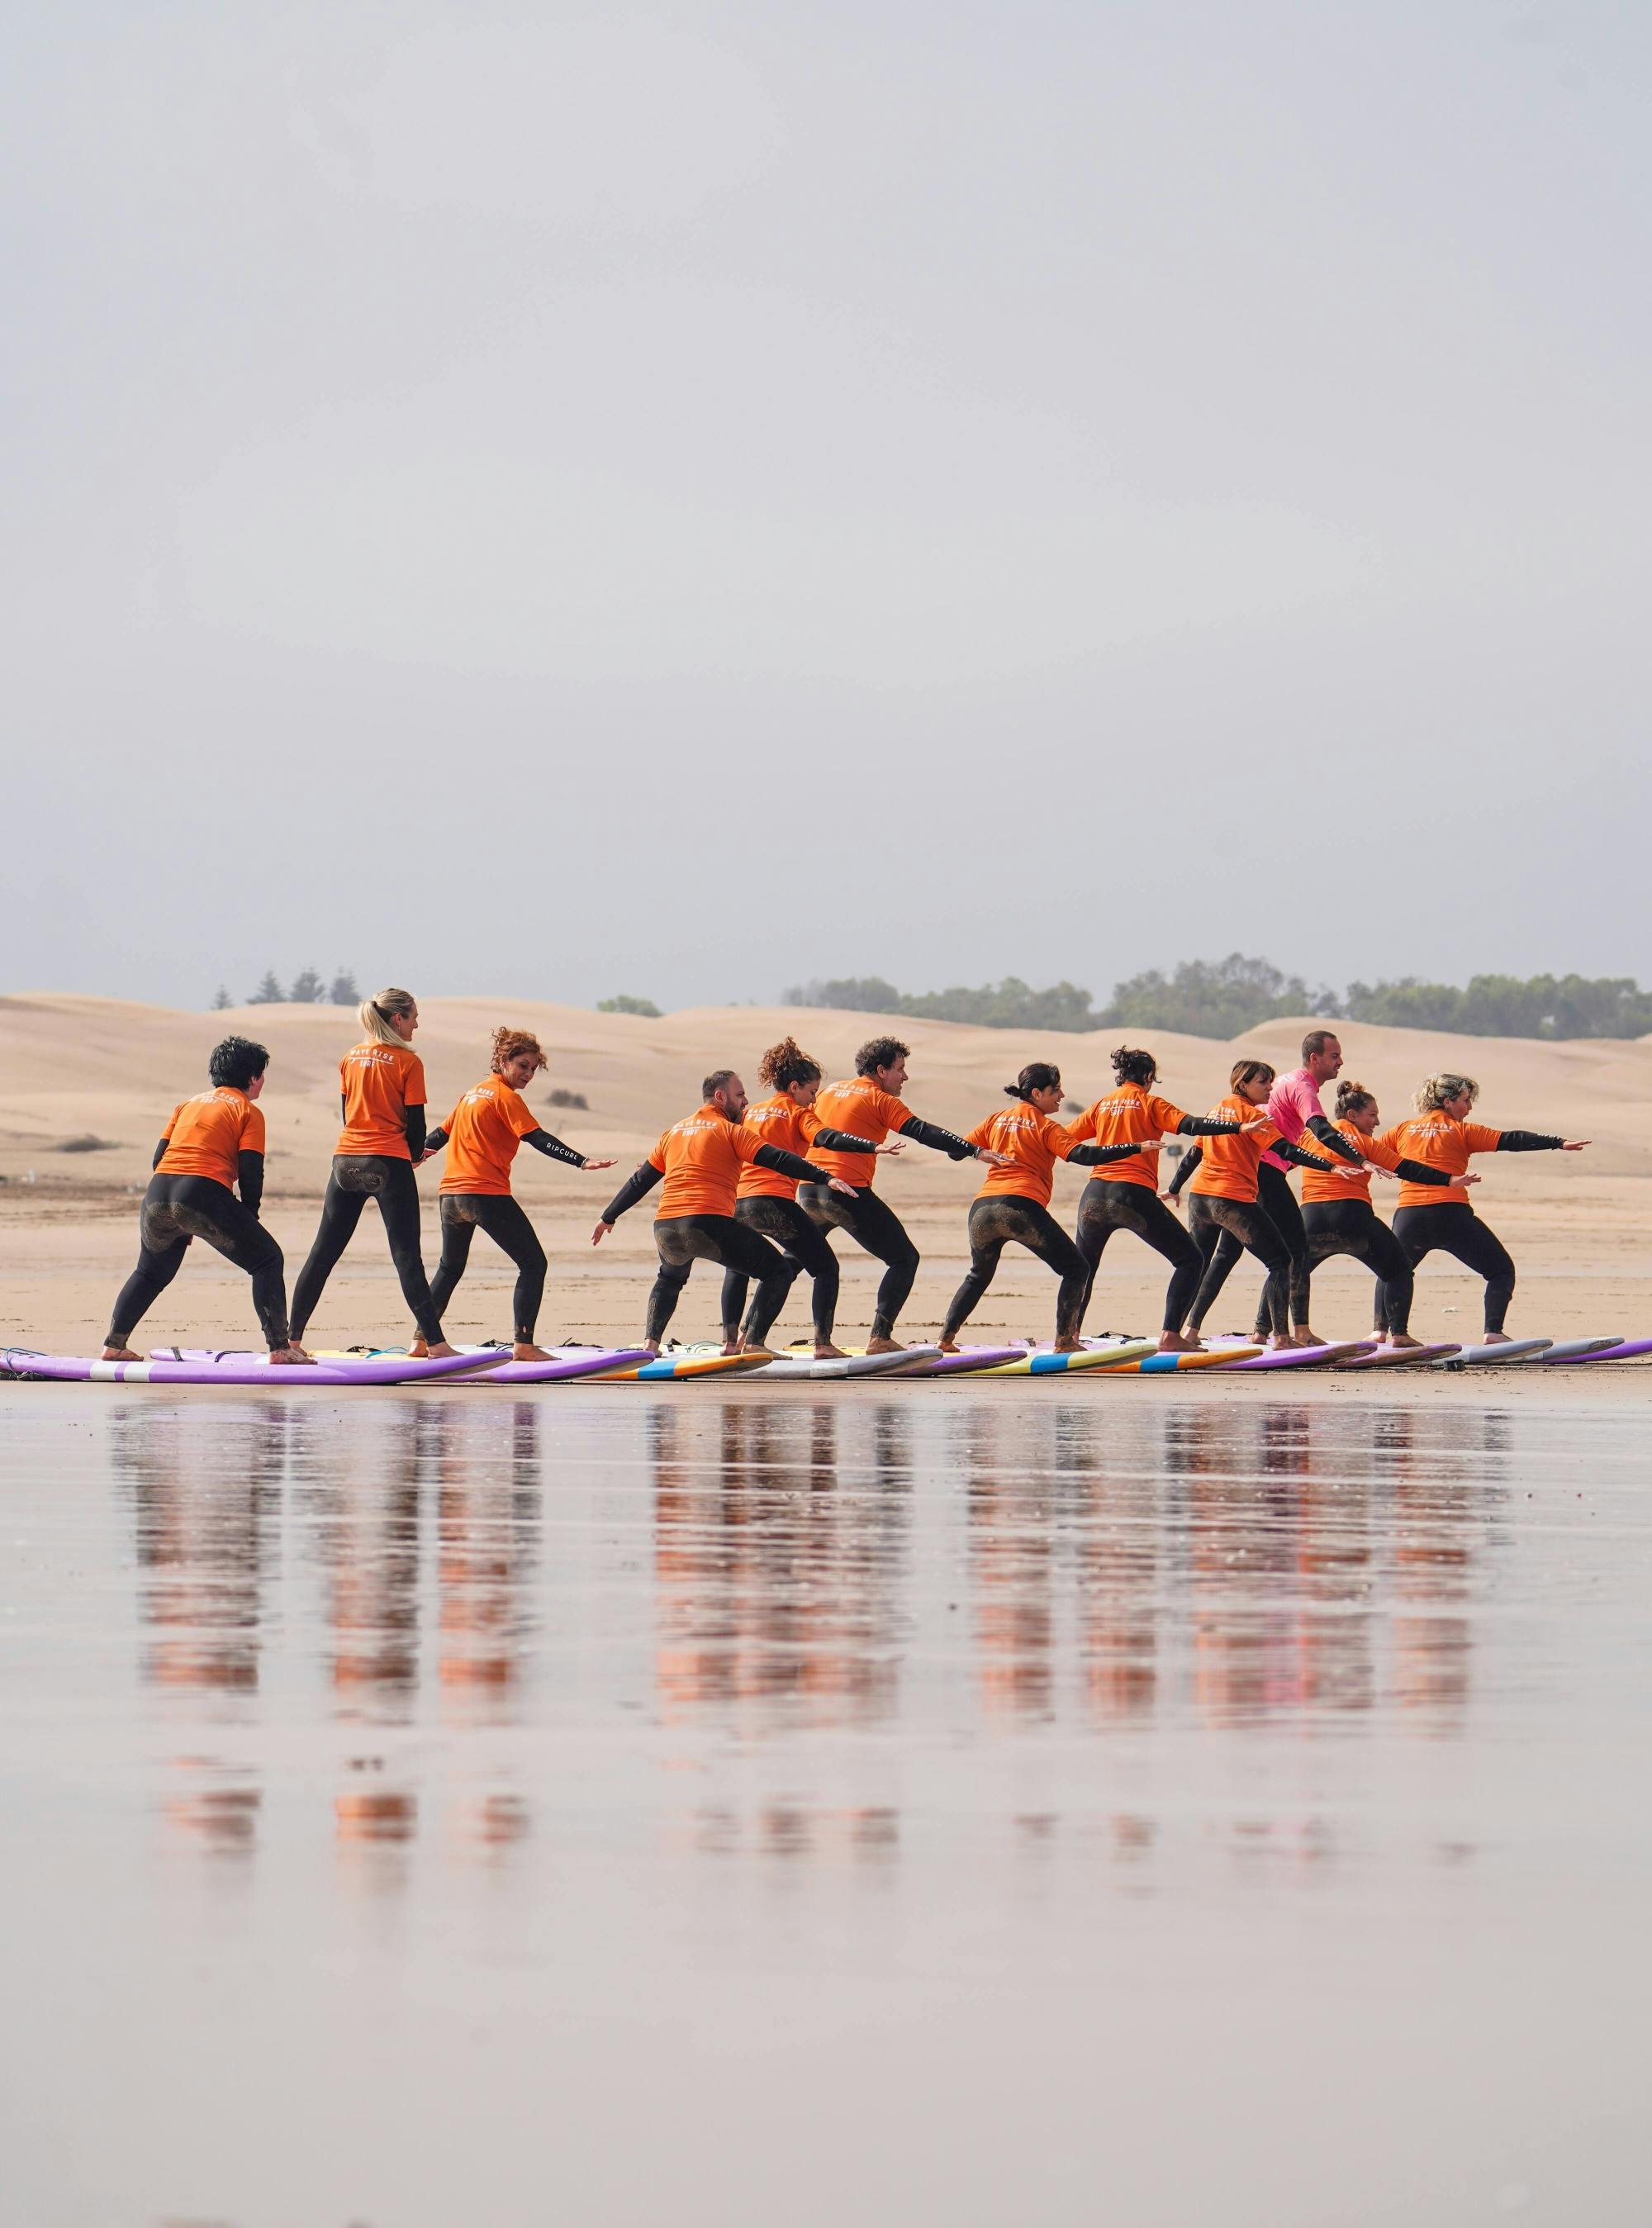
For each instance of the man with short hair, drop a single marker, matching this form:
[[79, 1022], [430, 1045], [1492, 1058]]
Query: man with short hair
[[840, 1195], [699, 1158], [1293, 1108]]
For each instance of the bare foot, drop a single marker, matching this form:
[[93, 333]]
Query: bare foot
[[417, 1350], [1062, 1346], [1302, 1336], [947, 1345], [759, 1353], [1400, 1339], [119, 1354], [281, 1355], [1173, 1341], [442, 1351], [825, 1351], [1496, 1338], [651, 1346], [731, 1346], [884, 1346], [528, 1352]]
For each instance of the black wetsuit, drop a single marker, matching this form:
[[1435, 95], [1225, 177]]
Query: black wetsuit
[[1352, 1226], [1223, 1228], [998, 1219], [356, 1178], [875, 1228], [179, 1207], [1458, 1231], [505, 1221], [1279, 1201], [1107, 1204], [683, 1239], [806, 1251]]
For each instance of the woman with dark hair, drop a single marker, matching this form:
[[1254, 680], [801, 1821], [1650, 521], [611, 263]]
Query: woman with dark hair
[[767, 1199], [1339, 1218], [481, 1135], [1013, 1204], [1437, 1215], [213, 1146], [1223, 1198], [1127, 1197], [382, 1096]]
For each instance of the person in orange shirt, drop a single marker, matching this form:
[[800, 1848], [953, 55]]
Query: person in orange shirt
[[383, 1095], [767, 1201], [699, 1160], [1223, 1198], [480, 1137], [1338, 1216], [1437, 1215], [213, 1145], [1013, 1202], [1127, 1196], [869, 1104]]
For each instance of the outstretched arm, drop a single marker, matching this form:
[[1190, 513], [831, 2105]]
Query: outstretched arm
[[1301, 1160], [938, 1140], [1090, 1156], [839, 1140], [554, 1149], [788, 1164], [1333, 1140], [1205, 1125], [637, 1186], [1532, 1140]]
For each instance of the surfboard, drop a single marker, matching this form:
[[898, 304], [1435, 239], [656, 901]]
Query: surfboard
[[559, 1367], [310, 1376], [469, 1362], [1494, 1357], [1390, 1357], [1576, 1349], [1303, 1357], [1625, 1350], [903, 1364], [1044, 1361], [979, 1360], [669, 1365], [1159, 1365]]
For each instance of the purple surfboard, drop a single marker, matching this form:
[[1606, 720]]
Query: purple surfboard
[[1622, 1350], [1304, 1357], [1396, 1358], [971, 1357], [545, 1372], [313, 1375]]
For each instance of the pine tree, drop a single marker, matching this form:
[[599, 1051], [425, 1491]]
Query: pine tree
[[222, 1002], [269, 992], [343, 992], [306, 989]]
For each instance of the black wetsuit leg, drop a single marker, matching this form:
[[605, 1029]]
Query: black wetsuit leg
[[1105, 1207], [1002, 1219], [1247, 1221], [806, 1253], [1278, 1202], [876, 1228], [686, 1239], [177, 1208], [1353, 1226], [355, 1178], [464, 1213], [1459, 1231]]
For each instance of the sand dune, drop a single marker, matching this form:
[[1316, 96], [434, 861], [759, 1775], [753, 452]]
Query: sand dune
[[71, 1066]]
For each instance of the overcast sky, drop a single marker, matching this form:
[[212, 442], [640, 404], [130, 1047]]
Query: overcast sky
[[562, 500]]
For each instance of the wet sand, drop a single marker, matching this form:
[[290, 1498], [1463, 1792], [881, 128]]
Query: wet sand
[[1148, 1802]]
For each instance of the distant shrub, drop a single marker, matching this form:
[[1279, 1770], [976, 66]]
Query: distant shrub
[[626, 1004], [88, 1143], [561, 1098]]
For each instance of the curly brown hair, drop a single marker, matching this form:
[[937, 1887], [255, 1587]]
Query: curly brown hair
[[786, 1063], [508, 1043]]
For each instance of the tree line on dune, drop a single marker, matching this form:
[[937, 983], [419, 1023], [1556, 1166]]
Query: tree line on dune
[[307, 989], [1222, 998]]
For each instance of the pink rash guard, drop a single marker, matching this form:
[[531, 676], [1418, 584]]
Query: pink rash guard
[[1292, 1104]]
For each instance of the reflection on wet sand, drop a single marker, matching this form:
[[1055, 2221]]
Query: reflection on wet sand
[[1226, 1565]]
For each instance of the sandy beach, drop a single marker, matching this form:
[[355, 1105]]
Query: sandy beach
[[1580, 1226]]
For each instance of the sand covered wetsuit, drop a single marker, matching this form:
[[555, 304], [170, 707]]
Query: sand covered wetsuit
[[699, 1160], [480, 1137], [1013, 1208], [863, 1109], [1223, 1200], [767, 1201], [213, 1143], [383, 1097], [1127, 1197]]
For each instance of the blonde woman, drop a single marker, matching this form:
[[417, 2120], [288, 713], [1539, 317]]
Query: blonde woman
[[1437, 1217], [382, 1096]]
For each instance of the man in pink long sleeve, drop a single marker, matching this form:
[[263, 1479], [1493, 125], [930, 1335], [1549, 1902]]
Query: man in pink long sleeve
[[1293, 1107]]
